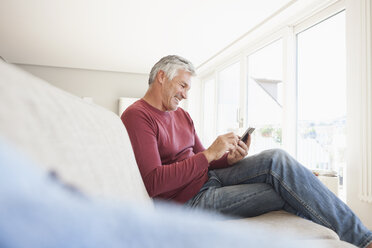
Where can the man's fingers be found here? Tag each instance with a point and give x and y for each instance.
(243, 145)
(242, 148)
(242, 151)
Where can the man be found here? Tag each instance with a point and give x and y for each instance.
(175, 166)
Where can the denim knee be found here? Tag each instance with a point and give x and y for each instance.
(276, 154)
(280, 158)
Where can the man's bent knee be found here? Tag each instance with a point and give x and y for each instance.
(275, 153)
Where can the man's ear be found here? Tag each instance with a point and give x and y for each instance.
(161, 76)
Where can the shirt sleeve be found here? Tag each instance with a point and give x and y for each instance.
(159, 178)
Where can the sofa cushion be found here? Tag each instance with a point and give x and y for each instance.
(86, 145)
(289, 225)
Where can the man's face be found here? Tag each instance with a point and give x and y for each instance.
(175, 90)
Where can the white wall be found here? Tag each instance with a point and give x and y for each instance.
(104, 87)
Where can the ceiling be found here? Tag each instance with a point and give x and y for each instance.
(123, 35)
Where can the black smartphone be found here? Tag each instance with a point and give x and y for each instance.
(246, 133)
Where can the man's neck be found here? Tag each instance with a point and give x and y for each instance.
(153, 99)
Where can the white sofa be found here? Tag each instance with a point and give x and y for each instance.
(89, 148)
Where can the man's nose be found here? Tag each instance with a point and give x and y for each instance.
(184, 94)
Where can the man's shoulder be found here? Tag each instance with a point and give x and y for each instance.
(135, 110)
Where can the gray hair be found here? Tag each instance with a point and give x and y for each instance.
(170, 65)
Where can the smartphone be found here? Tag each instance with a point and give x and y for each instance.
(246, 133)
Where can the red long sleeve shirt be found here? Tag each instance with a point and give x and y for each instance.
(168, 151)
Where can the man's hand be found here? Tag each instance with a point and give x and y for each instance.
(239, 152)
(223, 143)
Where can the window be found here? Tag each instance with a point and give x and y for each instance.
(292, 90)
(228, 99)
(209, 134)
(264, 110)
(321, 95)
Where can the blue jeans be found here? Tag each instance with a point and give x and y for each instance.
(273, 180)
